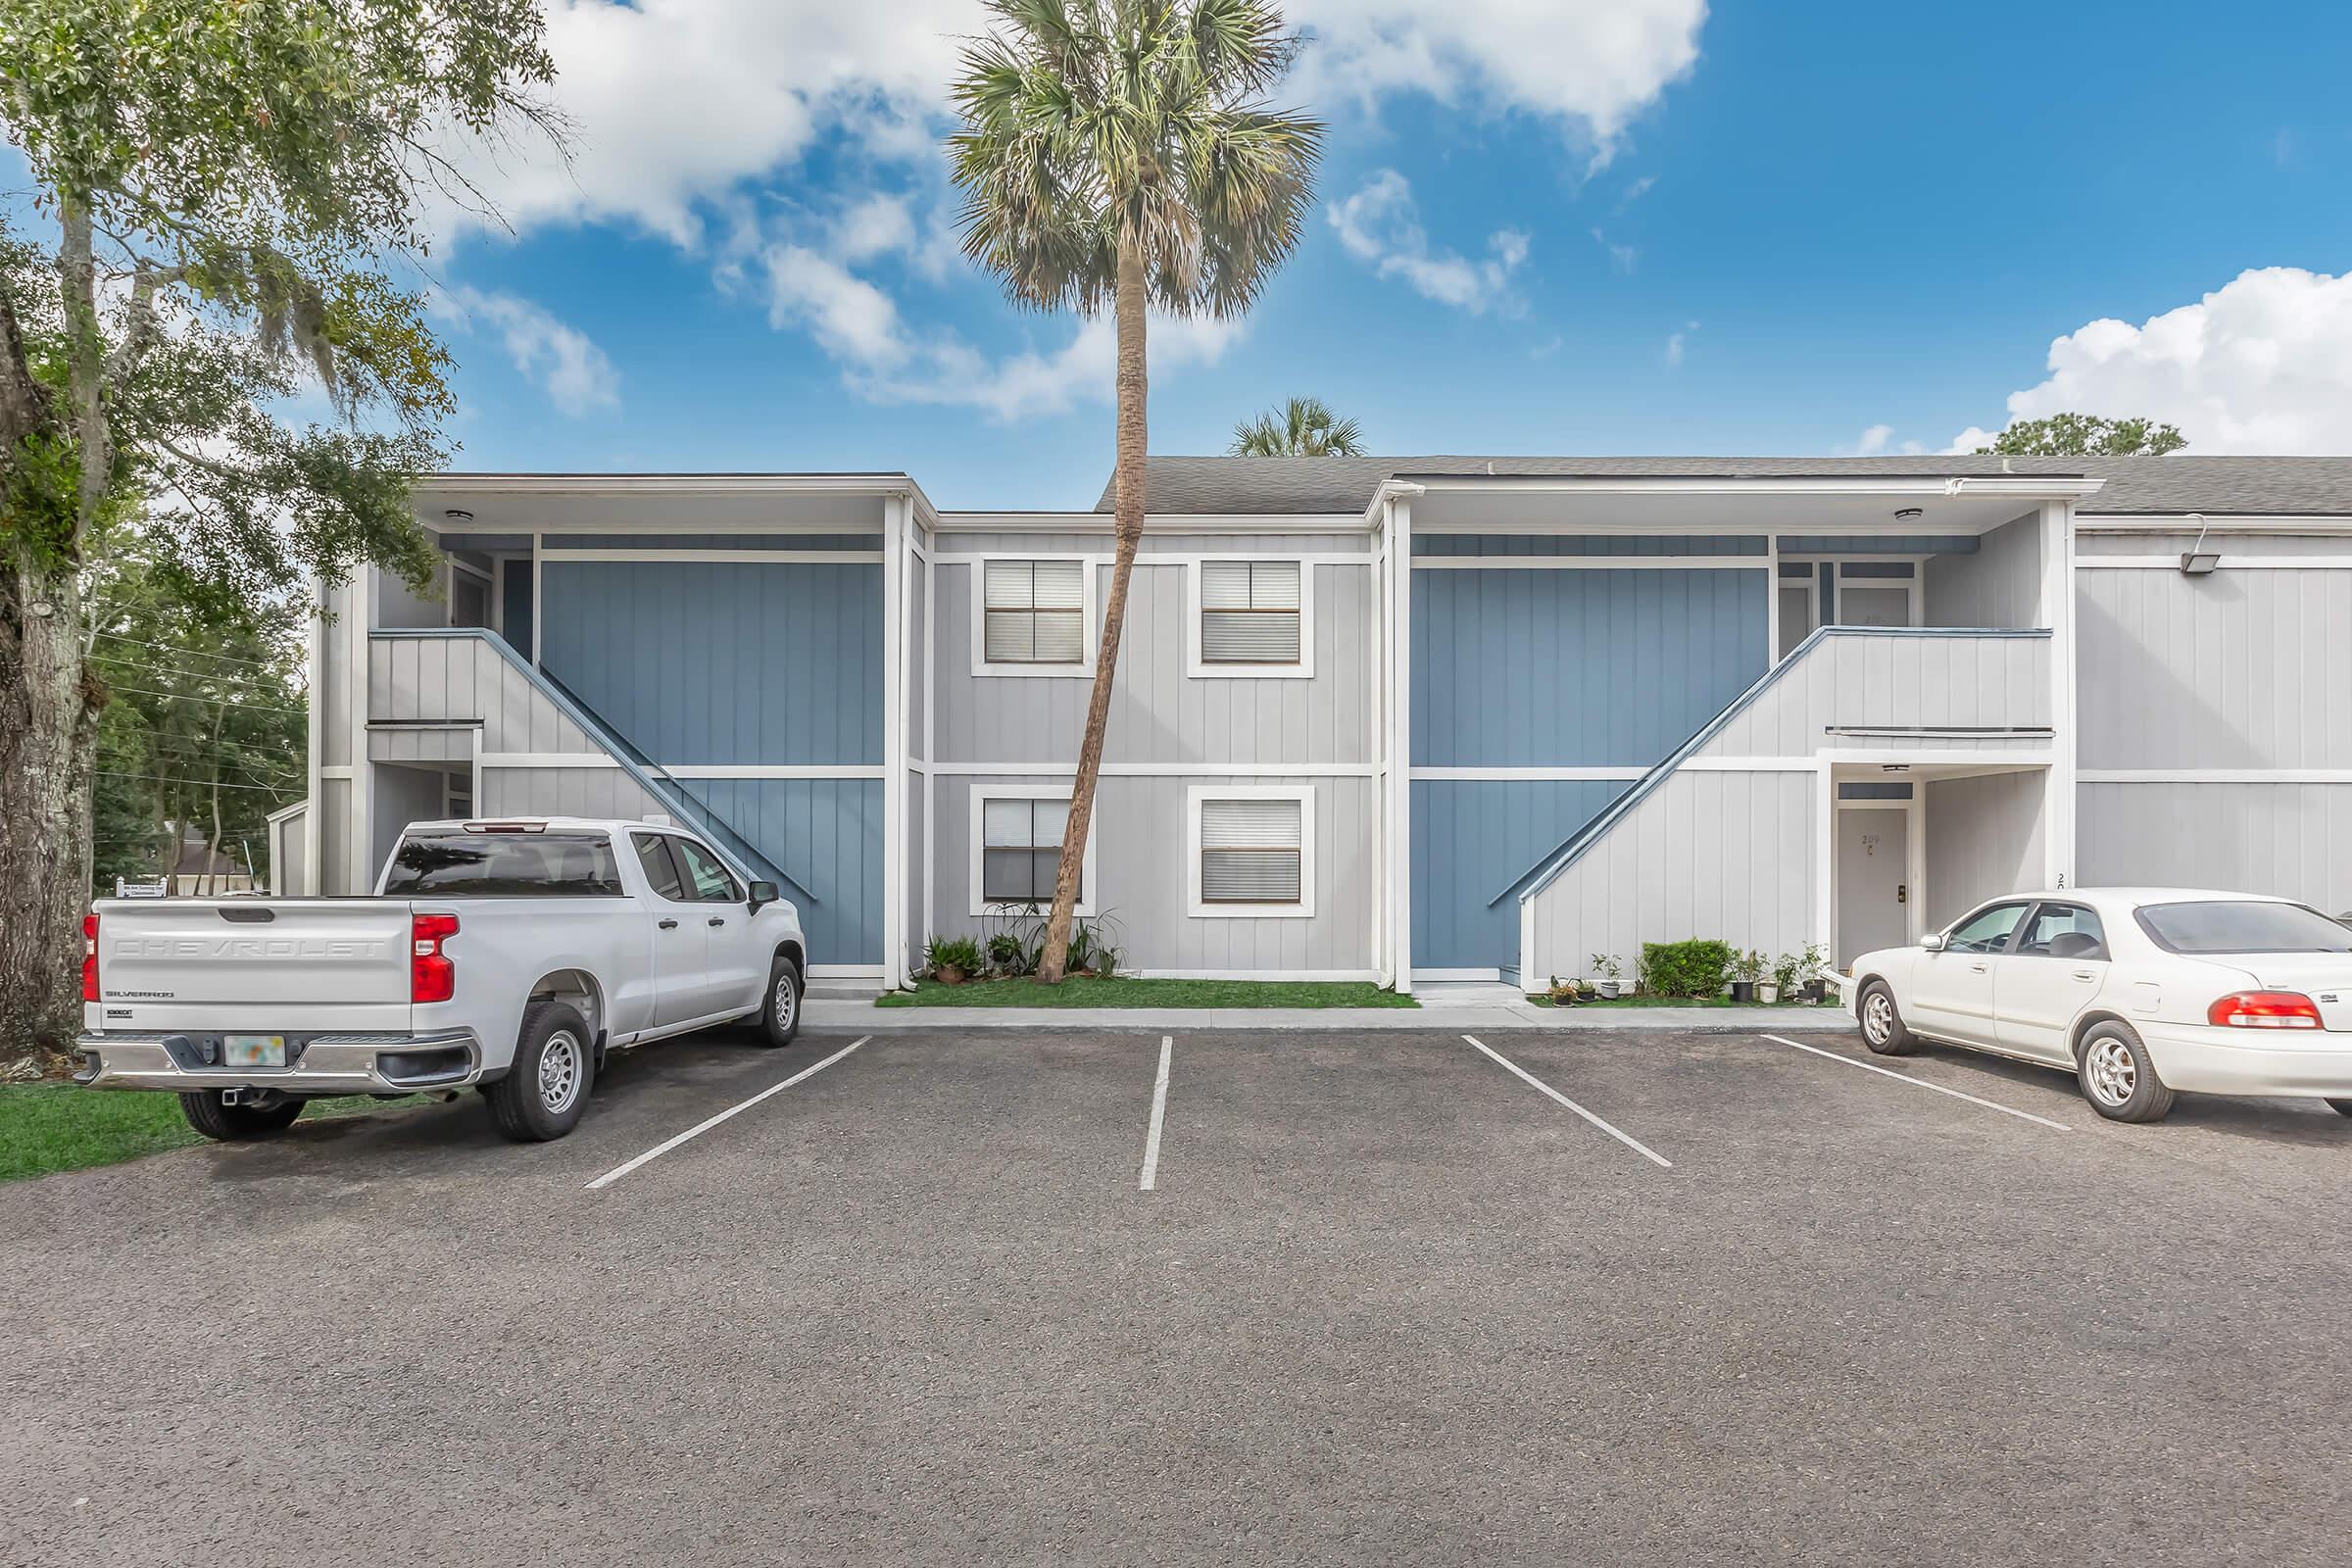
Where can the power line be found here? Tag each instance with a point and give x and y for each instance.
(169, 648)
(225, 702)
(198, 783)
(125, 662)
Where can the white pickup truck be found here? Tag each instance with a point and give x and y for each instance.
(507, 955)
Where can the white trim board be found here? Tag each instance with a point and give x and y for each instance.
(758, 771)
(868, 558)
(2214, 775)
(1235, 770)
(1311, 975)
(2229, 562)
(1593, 563)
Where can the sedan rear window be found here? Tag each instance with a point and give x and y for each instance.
(2217, 925)
(504, 866)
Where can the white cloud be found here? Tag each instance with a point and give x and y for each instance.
(1380, 224)
(886, 360)
(564, 360)
(1677, 343)
(1587, 66)
(1622, 258)
(2261, 365)
(1878, 441)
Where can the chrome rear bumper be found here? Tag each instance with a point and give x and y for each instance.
(326, 1065)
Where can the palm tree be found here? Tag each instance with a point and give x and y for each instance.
(1303, 427)
(1123, 152)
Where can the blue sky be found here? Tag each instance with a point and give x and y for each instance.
(1644, 226)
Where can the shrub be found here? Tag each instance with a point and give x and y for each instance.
(1692, 968)
(952, 953)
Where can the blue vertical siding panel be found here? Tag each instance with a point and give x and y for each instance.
(713, 663)
(826, 835)
(1470, 838)
(516, 610)
(1551, 669)
(1555, 668)
(1481, 544)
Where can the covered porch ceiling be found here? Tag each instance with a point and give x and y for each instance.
(1945, 505)
(523, 504)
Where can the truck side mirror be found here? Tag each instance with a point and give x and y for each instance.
(764, 893)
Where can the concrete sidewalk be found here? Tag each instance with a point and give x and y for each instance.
(1445, 1016)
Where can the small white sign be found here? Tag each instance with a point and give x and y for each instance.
(140, 890)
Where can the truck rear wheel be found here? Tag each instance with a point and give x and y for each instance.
(225, 1123)
(545, 1091)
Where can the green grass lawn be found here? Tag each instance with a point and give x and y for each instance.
(1681, 1001)
(54, 1127)
(1123, 991)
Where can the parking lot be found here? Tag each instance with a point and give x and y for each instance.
(1397, 1298)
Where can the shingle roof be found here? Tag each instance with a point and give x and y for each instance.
(2220, 486)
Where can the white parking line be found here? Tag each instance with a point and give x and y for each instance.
(1906, 1078)
(702, 1127)
(1634, 1144)
(1159, 1113)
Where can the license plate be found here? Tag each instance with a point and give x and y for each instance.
(253, 1050)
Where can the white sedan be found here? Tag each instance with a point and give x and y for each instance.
(2139, 992)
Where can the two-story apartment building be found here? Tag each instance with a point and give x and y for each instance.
(1389, 717)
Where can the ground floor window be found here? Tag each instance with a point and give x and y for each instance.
(1251, 850)
(1017, 844)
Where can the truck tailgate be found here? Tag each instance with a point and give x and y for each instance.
(281, 964)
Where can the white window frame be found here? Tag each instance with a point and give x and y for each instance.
(1090, 636)
(1197, 668)
(1088, 887)
(1196, 797)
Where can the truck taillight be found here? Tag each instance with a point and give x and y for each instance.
(432, 977)
(2264, 1009)
(90, 958)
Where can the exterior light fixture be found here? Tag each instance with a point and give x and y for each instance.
(1910, 515)
(457, 515)
(2197, 560)
(1894, 768)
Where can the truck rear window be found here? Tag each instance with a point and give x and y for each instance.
(506, 866)
(2218, 926)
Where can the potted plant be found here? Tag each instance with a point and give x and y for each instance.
(953, 959)
(1783, 983)
(1746, 968)
(1611, 972)
(1810, 966)
(1564, 993)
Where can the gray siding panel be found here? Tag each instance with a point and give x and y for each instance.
(2292, 840)
(339, 856)
(1160, 714)
(1140, 848)
(566, 792)
(702, 663)
(2238, 668)
(1900, 679)
(1707, 854)
(1471, 837)
(1589, 544)
(1985, 839)
(1999, 585)
(1556, 668)
(402, 795)
(330, 704)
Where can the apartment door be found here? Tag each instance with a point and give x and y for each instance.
(1874, 856)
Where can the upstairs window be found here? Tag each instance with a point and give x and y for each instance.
(1033, 613)
(1253, 852)
(1253, 613)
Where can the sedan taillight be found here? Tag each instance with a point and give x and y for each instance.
(432, 977)
(2264, 1009)
(90, 958)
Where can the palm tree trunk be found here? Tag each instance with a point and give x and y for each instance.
(1127, 511)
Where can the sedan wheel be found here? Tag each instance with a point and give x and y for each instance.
(2119, 1077)
(1883, 1028)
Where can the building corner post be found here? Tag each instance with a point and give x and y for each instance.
(2058, 611)
(895, 508)
(1399, 758)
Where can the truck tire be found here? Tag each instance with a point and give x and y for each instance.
(233, 1124)
(780, 1013)
(545, 1091)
